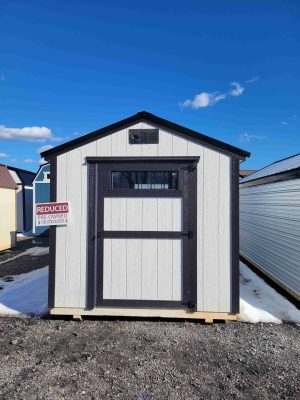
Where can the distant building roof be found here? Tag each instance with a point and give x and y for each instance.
(286, 164)
(246, 172)
(6, 180)
(25, 176)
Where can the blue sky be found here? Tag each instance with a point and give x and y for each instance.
(227, 69)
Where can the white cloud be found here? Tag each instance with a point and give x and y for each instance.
(76, 133)
(2, 77)
(254, 79)
(205, 99)
(29, 161)
(246, 137)
(13, 160)
(238, 89)
(42, 161)
(28, 134)
(44, 148)
(284, 123)
(3, 155)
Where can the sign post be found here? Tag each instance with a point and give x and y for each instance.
(52, 214)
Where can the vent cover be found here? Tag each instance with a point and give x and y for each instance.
(143, 136)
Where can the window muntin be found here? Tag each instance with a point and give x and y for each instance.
(145, 180)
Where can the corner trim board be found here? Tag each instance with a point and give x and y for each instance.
(235, 244)
(52, 235)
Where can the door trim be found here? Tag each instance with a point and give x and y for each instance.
(97, 167)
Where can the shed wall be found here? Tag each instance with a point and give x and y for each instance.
(213, 216)
(7, 218)
(270, 230)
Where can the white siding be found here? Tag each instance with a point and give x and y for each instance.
(270, 230)
(213, 255)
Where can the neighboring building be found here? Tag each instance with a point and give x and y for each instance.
(8, 209)
(270, 222)
(154, 223)
(41, 194)
(246, 172)
(24, 180)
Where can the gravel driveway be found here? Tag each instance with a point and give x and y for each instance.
(144, 360)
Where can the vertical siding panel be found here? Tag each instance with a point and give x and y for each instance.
(87, 150)
(149, 269)
(165, 269)
(118, 269)
(211, 231)
(165, 144)
(107, 268)
(149, 149)
(73, 238)
(134, 214)
(104, 146)
(180, 146)
(197, 150)
(177, 269)
(177, 215)
(224, 234)
(108, 212)
(134, 269)
(150, 214)
(60, 257)
(164, 214)
(118, 216)
(119, 143)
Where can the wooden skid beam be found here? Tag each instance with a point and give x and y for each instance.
(209, 317)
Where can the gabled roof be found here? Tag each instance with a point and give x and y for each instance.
(26, 177)
(281, 166)
(42, 166)
(153, 119)
(247, 172)
(6, 180)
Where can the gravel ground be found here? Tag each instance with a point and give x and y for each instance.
(25, 263)
(145, 360)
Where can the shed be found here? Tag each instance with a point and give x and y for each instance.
(41, 194)
(154, 228)
(270, 222)
(8, 209)
(23, 179)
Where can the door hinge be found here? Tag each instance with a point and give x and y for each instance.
(98, 235)
(188, 234)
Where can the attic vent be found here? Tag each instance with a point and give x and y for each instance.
(143, 136)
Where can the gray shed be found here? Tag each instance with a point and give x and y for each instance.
(270, 222)
(154, 223)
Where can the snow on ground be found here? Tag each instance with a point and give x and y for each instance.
(25, 234)
(259, 302)
(33, 251)
(27, 294)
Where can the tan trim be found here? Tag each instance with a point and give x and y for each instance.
(287, 289)
(209, 317)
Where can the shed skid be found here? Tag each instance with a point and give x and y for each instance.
(209, 317)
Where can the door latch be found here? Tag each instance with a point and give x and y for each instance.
(187, 234)
(98, 235)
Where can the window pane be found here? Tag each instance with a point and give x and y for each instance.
(145, 180)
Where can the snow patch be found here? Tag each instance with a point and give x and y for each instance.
(26, 295)
(259, 302)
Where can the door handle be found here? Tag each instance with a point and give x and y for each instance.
(187, 234)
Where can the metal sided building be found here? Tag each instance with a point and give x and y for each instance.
(8, 209)
(270, 222)
(41, 194)
(23, 179)
(154, 226)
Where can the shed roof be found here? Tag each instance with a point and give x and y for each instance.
(246, 172)
(6, 180)
(284, 165)
(155, 120)
(25, 176)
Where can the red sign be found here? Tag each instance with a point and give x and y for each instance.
(51, 213)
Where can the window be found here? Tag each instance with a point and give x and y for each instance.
(156, 180)
(46, 177)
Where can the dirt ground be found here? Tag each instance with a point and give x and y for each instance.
(144, 360)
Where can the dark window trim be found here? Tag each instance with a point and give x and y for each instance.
(235, 239)
(140, 235)
(158, 122)
(127, 161)
(281, 176)
(52, 236)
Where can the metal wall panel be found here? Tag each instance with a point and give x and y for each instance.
(270, 230)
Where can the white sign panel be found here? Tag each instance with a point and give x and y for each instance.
(47, 214)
